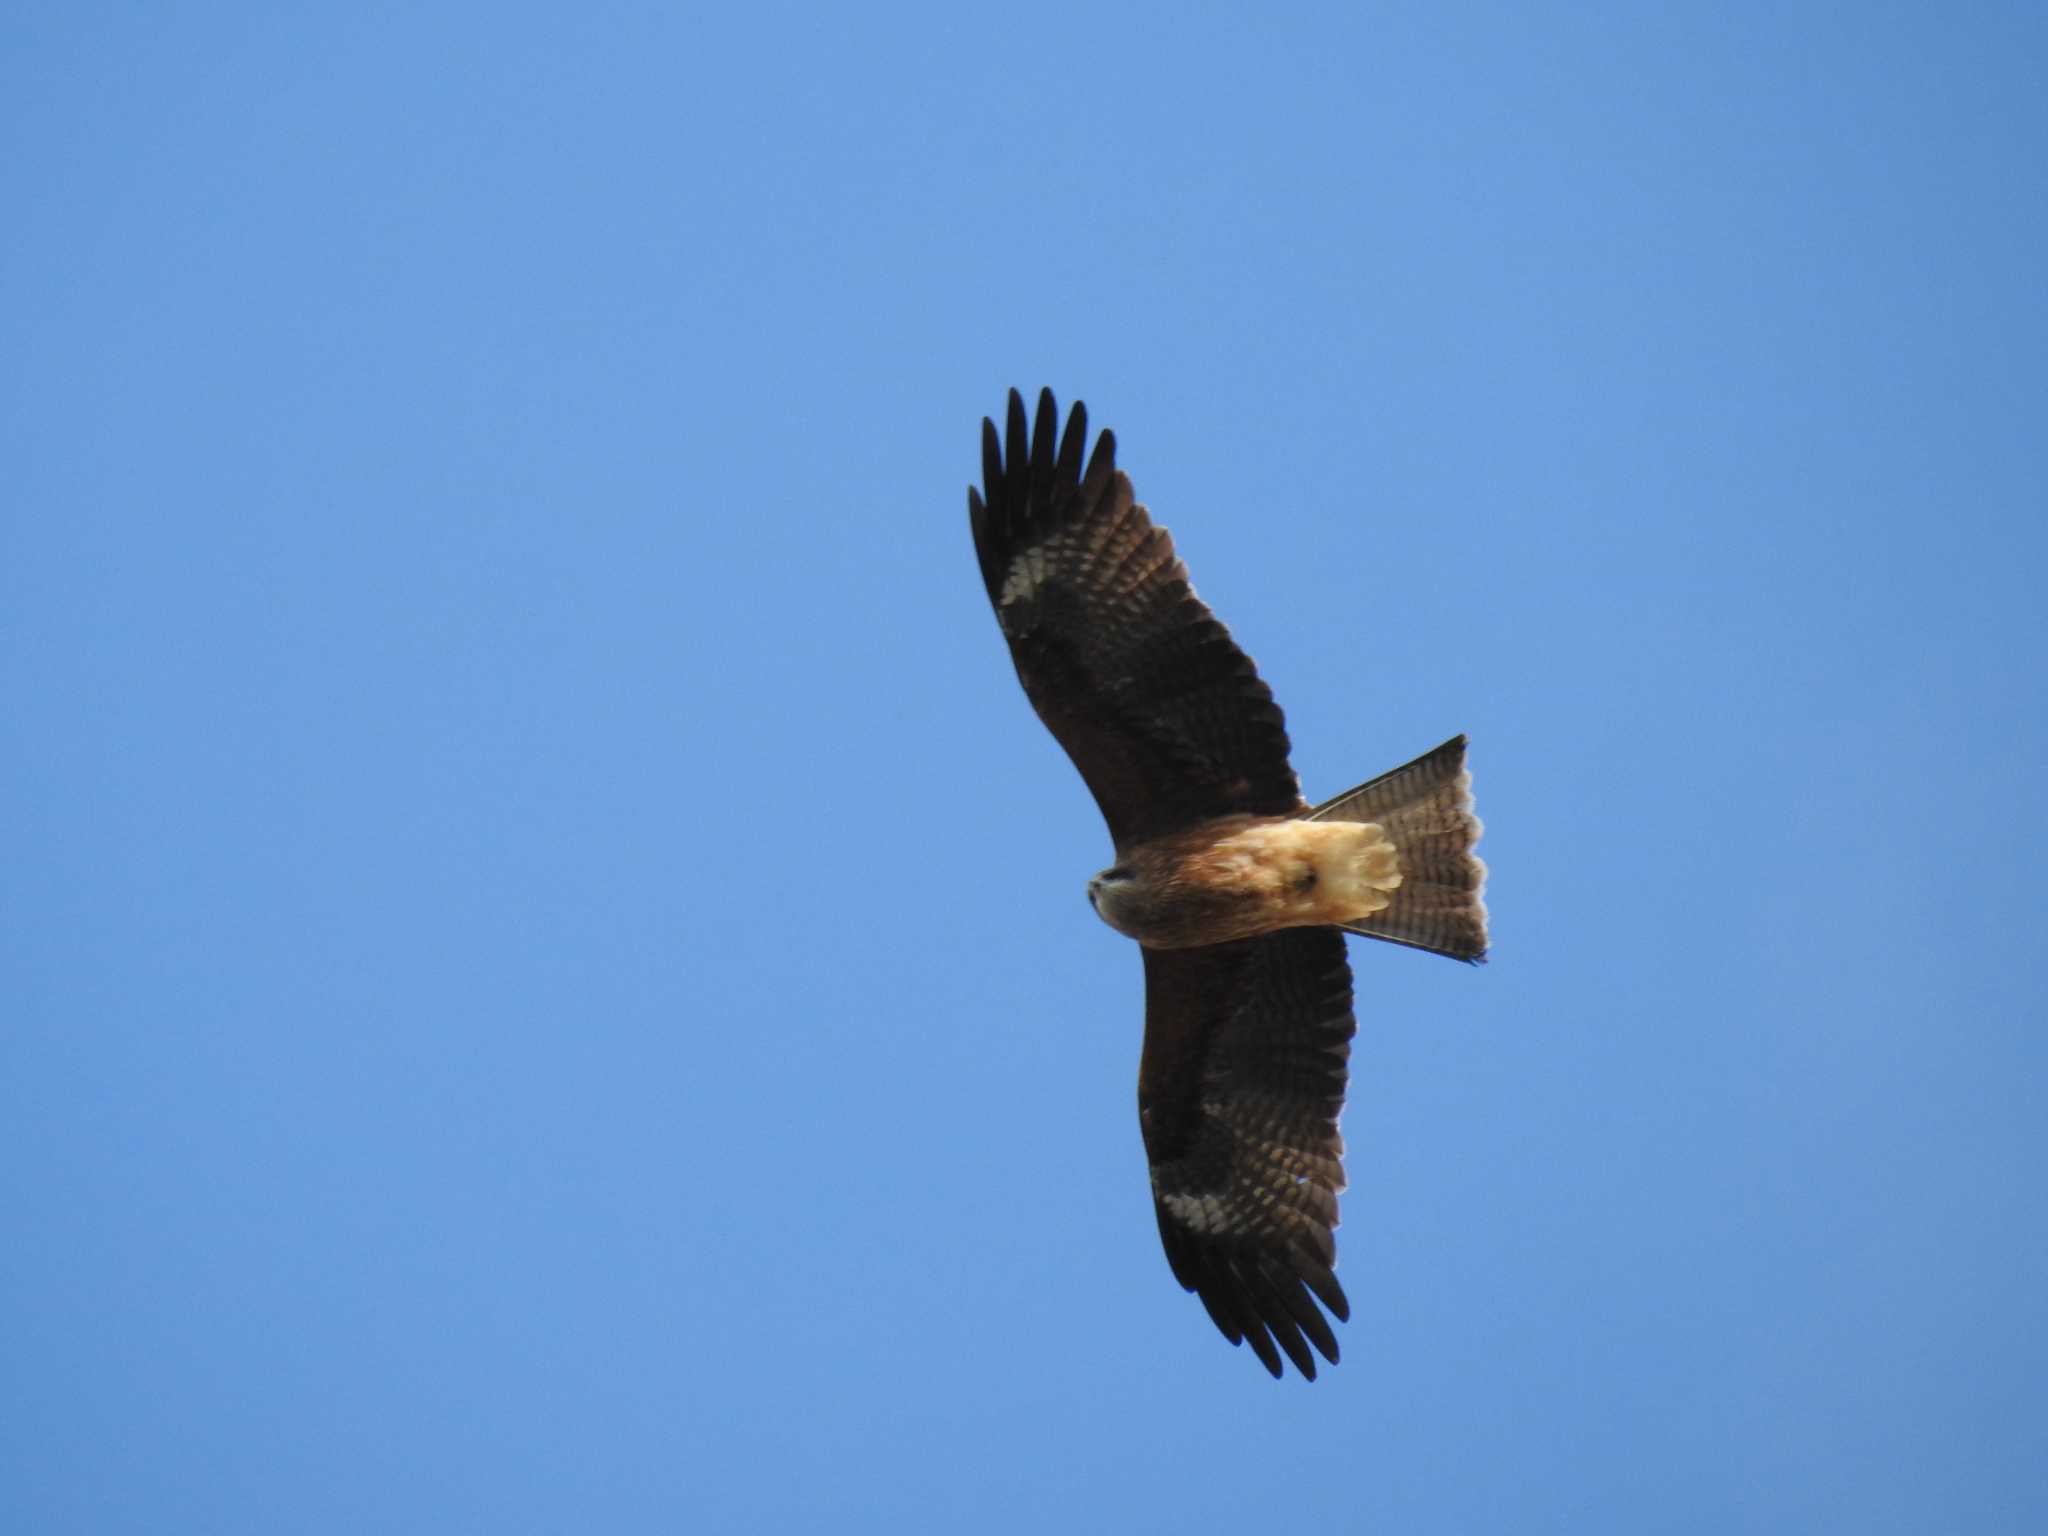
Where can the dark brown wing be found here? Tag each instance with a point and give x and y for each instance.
(1246, 1046)
(1164, 716)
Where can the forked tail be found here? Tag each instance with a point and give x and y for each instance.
(1425, 809)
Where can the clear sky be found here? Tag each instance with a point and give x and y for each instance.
(545, 972)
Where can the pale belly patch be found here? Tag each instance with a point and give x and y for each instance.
(1314, 871)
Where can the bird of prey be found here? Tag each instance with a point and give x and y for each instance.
(1237, 890)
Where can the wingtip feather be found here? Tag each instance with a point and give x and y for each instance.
(1101, 463)
(1072, 444)
(1016, 448)
(991, 456)
(1044, 439)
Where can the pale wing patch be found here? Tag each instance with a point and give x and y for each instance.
(1021, 582)
(1206, 1214)
(1272, 1183)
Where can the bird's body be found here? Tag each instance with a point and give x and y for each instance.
(1237, 891)
(1240, 876)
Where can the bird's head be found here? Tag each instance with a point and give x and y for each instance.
(1109, 893)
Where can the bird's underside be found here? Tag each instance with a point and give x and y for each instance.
(1238, 892)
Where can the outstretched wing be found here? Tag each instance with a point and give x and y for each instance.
(1242, 1081)
(1162, 713)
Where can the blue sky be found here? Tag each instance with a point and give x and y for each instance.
(546, 973)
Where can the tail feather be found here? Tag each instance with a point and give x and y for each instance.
(1425, 809)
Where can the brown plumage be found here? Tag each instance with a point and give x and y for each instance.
(1237, 890)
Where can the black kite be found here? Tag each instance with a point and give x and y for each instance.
(1238, 891)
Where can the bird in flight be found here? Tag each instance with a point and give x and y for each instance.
(1238, 892)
